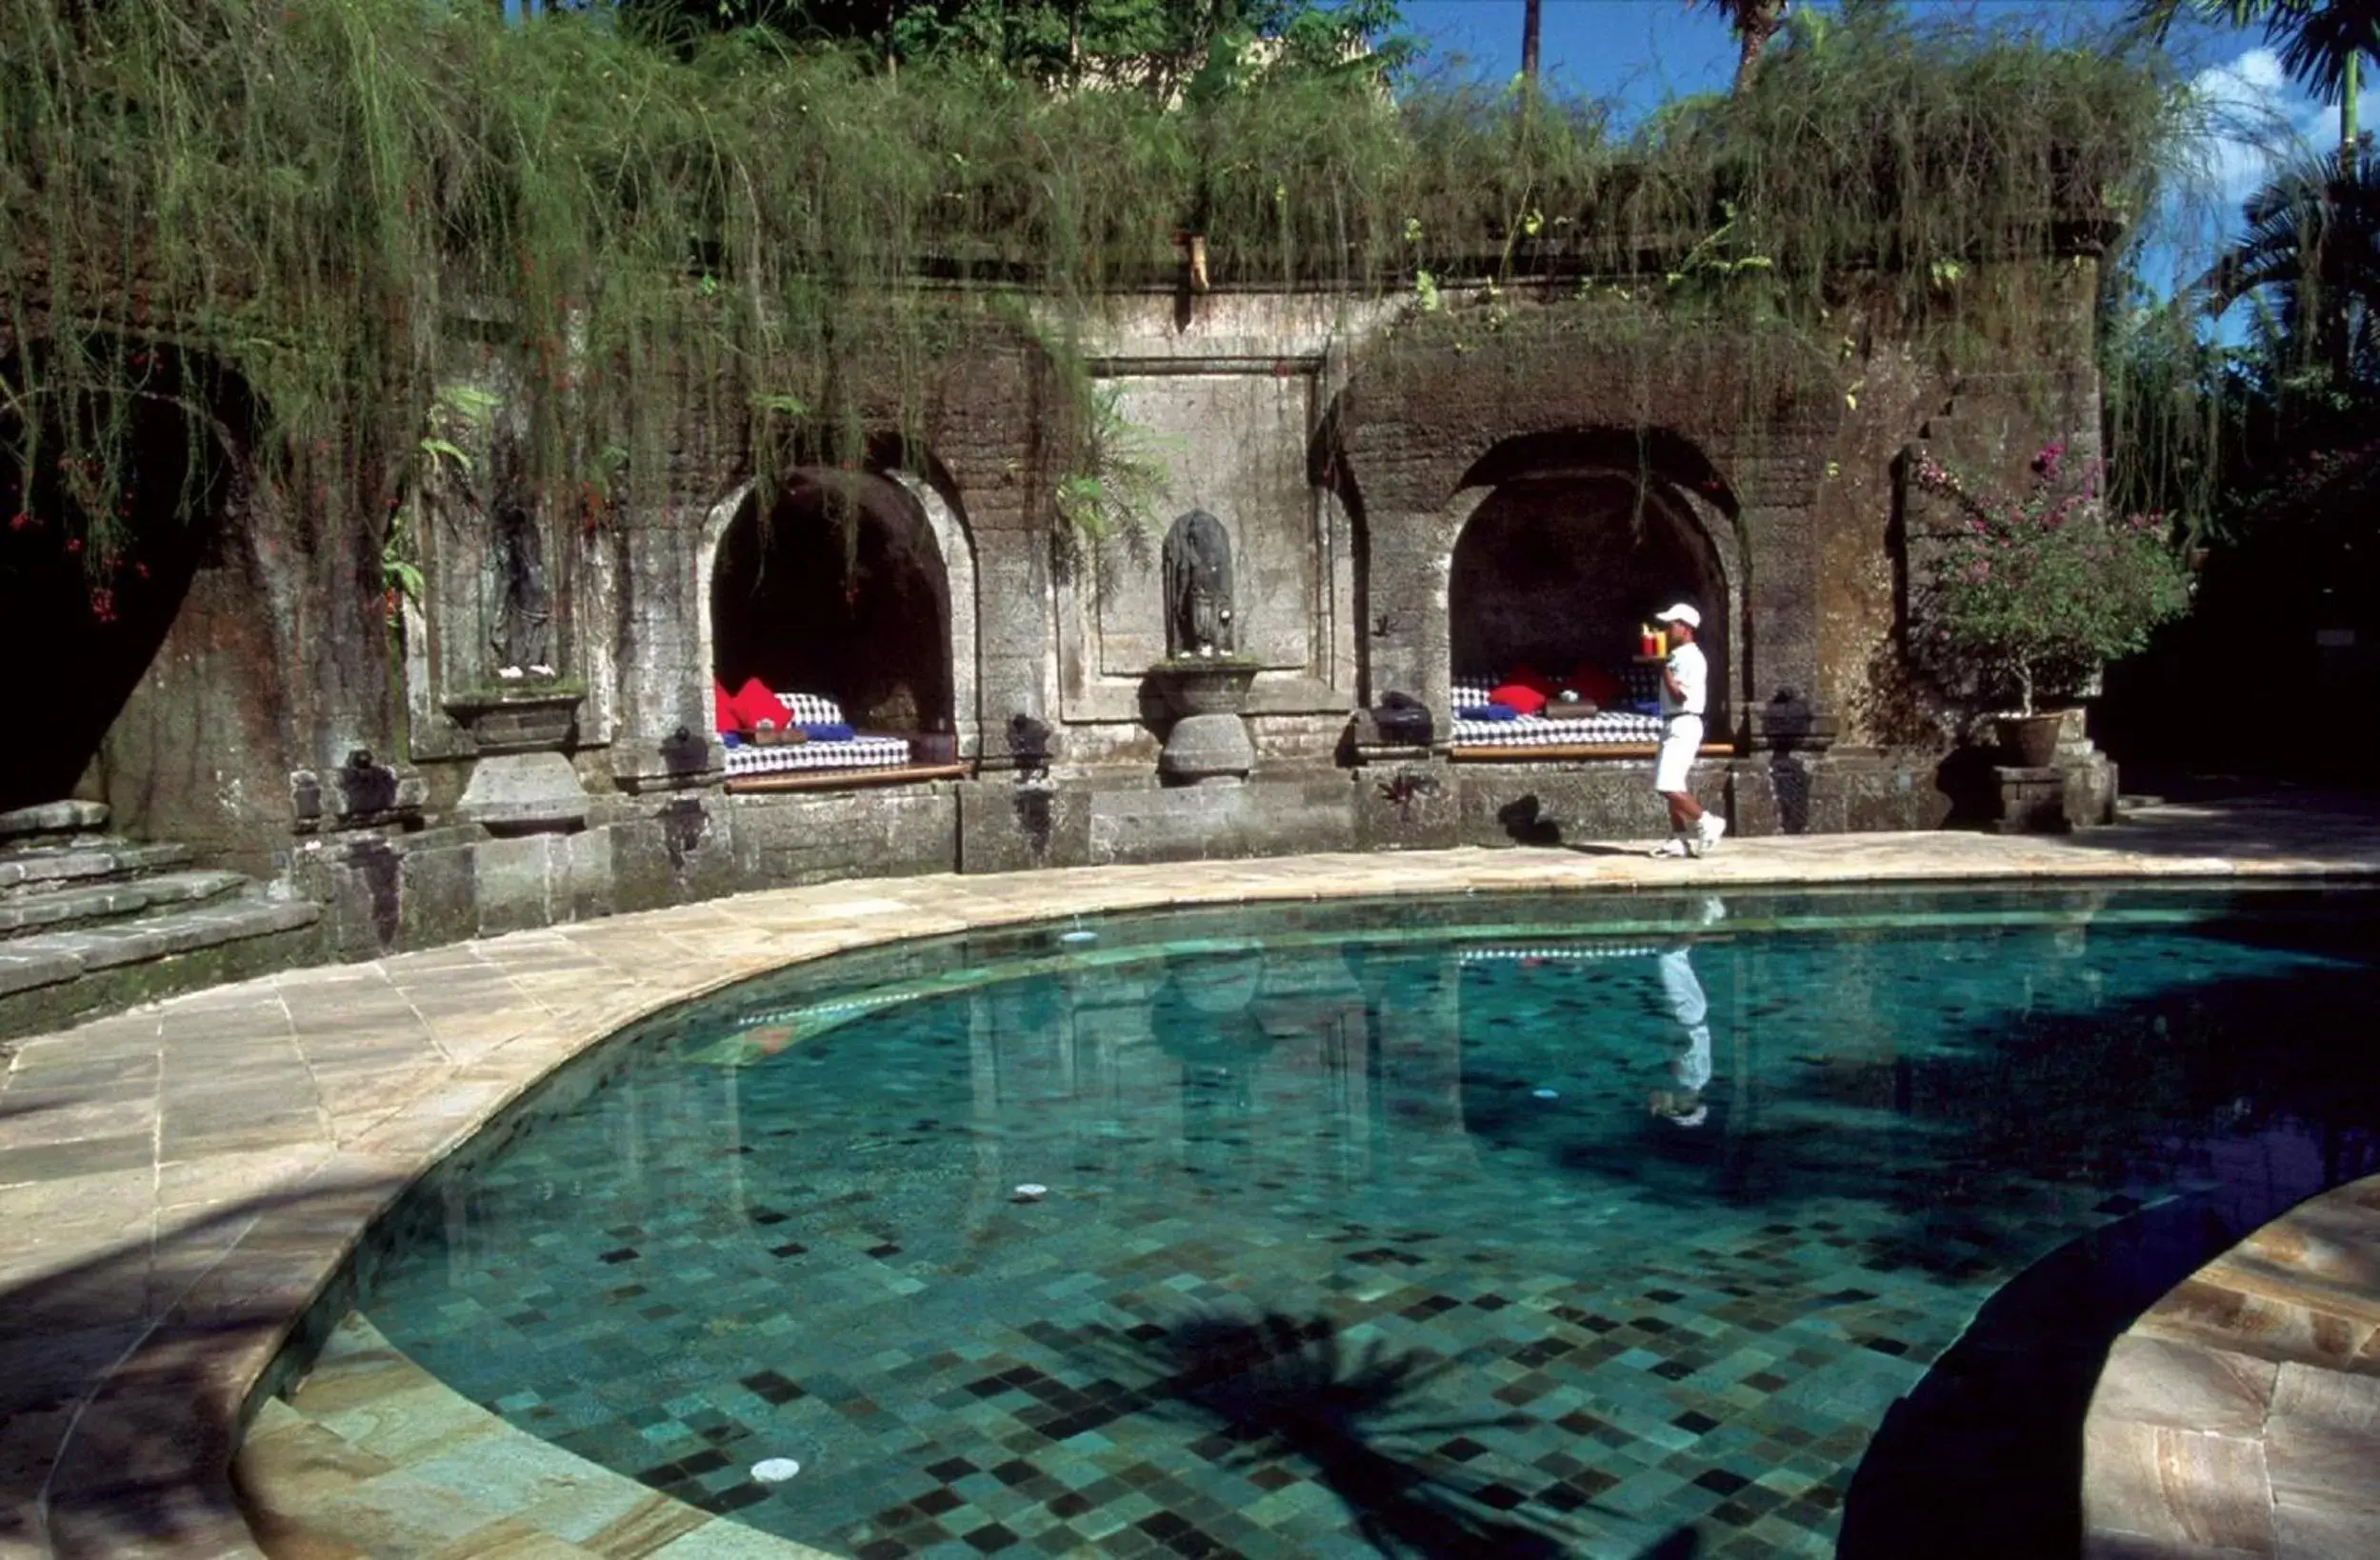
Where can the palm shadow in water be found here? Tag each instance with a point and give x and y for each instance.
(1282, 1386)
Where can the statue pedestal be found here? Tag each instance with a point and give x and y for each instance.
(1208, 743)
(523, 783)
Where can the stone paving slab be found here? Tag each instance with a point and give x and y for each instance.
(155, 1248)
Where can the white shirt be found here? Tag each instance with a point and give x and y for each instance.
(1693, 679)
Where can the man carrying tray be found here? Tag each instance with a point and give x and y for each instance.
(1685, 695)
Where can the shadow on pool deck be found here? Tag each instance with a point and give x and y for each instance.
(2248, 823)
(121, 1380)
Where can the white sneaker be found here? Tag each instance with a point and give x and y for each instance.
(1673, 847)
(1709, 829)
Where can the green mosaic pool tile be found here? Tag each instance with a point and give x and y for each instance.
(1754, 1338)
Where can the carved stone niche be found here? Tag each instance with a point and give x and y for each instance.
(508, 581)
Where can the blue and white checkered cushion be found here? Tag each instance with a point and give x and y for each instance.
(1606, 727)
(811, 709)
(867, 752)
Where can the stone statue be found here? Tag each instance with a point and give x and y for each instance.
(1198, 586)
(521, 635)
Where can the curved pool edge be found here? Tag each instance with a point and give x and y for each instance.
(137, 1398)
(2233, 1415)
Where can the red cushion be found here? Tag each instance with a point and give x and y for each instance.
(723, 716)
(1528, 676)
(754, 703)
(1594, 683)
(1520, 696)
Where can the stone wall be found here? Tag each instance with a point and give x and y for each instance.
(1346, 448)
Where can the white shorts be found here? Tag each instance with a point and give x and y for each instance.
(1681, 739)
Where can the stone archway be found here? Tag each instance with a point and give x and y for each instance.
(1573, 539)
(855, 585)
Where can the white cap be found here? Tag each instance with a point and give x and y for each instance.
(1680, 614)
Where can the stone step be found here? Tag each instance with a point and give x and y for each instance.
(27, 868)
(28, 823)
(56, 977)
(35, 910)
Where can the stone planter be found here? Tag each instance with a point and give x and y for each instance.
(1208, 742)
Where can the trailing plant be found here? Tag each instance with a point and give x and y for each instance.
(2042, 589)
(1112, 490)
(311, 196)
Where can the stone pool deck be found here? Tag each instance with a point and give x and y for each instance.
(177, 1183)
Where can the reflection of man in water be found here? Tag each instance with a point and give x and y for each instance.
(1689, 1056)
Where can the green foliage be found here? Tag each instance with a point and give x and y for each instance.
(316, 194)
(2312, 249)
(2044, 589)
(1112, 490)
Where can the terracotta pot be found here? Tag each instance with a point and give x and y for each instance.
(2031, 741)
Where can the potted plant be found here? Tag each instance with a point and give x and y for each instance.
(2037, 592)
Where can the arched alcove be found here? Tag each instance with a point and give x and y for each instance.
(835, 582)
(1580, 538)
(84, 608)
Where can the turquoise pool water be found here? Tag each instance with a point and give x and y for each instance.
(1601, 1225)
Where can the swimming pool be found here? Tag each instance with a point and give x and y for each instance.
(1493, 1225)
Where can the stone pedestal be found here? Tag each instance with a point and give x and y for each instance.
(1209, 742)
(522, 783)
(2075, 789)
(1208, 751)
(523, 794)
(2031, 800)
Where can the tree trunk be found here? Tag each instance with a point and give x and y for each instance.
(2351, 79)
(1533, 21)
(1756, 22)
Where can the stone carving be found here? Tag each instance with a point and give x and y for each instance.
(1198, 616)
(522, 633)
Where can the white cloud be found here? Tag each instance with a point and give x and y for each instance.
(2255, 117)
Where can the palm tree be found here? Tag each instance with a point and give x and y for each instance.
(1533, 22)
(2312, 246)
(1754, 23)
(2322, 44)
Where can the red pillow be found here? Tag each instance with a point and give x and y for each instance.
(723, 716)
(1594, 684)
(1528, 676)
(754, 704)
(1520, 696)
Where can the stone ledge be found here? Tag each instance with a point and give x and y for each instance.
(28, 866)
(53, 818)
(2240, 1415)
